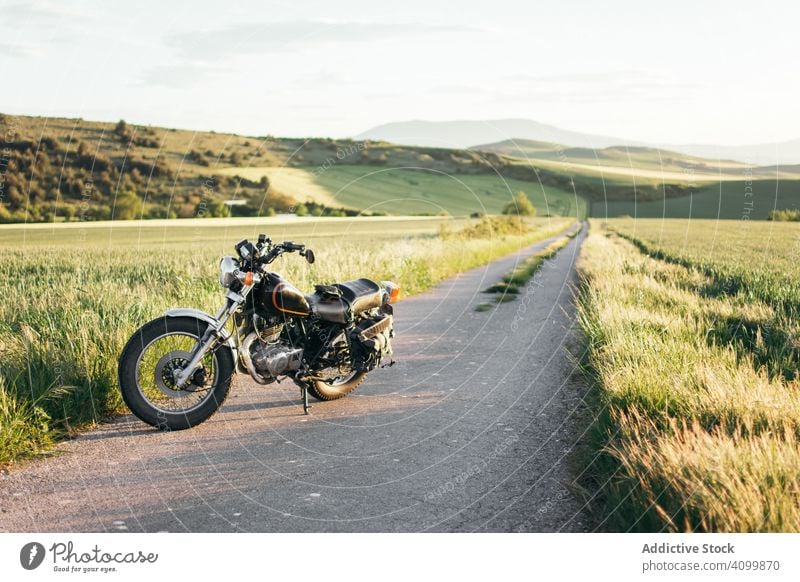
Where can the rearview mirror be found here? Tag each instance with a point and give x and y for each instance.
(310, 256)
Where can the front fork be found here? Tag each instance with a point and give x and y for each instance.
(211, 336)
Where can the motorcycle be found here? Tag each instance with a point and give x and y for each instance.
(176, 370)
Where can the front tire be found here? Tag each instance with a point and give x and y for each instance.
(144, 374)
(322, 390)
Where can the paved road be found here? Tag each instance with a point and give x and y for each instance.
(470, 431)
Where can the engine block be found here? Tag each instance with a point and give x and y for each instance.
(275, 359)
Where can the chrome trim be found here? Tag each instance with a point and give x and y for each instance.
(227, 271)
(220, 332)
(248, 361)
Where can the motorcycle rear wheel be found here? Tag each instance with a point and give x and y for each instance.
(145, 374)
(333, 390)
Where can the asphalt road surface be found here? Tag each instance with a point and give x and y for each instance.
(471, 430)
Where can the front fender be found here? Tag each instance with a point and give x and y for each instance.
(203, 316)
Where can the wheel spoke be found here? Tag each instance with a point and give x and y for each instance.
(158, 365)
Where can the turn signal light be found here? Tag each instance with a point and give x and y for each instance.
(394, 293)
(248, 278)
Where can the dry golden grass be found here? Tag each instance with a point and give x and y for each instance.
(298, 182)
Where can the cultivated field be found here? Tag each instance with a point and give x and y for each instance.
(692, 338)
(73, 294)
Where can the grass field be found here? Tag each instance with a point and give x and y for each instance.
(692, 339)
(412, 190)
(74, 293)
(726, 200)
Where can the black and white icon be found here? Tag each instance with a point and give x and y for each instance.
(32, 555)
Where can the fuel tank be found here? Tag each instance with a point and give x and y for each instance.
(278, 295)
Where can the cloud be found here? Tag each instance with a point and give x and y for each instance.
(592, 87)
(17, 50)
(199, 54)
(177, 76)
(37, 12)
(274, 37)
(607, 81)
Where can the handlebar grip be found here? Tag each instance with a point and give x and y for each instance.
(290, 246)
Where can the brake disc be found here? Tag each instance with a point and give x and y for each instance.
(165, 374)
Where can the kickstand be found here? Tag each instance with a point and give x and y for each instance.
(304, 390)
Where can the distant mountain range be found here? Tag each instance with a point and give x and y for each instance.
(471, 133)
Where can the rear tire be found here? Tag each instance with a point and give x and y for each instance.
(130, 386)
(322, 390)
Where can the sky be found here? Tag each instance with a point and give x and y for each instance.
(677, 72)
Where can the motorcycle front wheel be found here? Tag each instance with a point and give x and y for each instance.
(146, 374)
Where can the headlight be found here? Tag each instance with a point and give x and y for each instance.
(227, 267)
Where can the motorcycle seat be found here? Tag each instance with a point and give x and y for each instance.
(335, 302)
(361, 294)
(328, 307)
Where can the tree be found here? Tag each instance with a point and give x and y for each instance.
(216, 208)
(301, 210)
(69, 212)
(520, 206)
(121, 128)
(127, 206)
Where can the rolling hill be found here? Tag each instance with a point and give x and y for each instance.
(621, 163)
(414, 190)
(731, 200)
(57, 170)
(75, 170)
(467, 134)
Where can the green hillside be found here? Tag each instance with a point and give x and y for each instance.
(415, 190)
(57, 170)
(619, 163)
(726, 200)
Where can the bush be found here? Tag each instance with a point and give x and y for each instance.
(785, 215)
(121, 128)
(127, 206)
(520, 206)
(489, 227)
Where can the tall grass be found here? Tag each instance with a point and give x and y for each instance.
(698, 432)
(67, 312)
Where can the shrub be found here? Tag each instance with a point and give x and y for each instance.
(520, 206)
(784, 215)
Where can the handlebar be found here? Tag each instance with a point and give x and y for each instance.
(290, 246)
(265, 252)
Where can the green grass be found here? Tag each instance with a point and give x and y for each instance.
(420, 190)
(511, 283)
(726, 200)
(692, 341)
(754, 260)
(73, 294)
